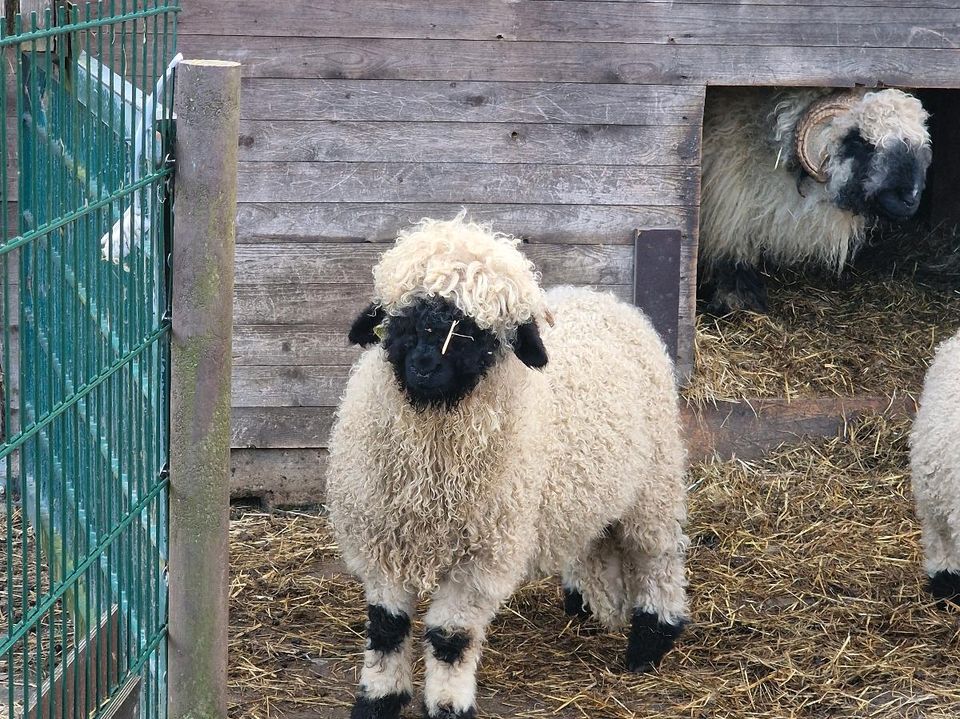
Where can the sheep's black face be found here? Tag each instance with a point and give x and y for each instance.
(430, 376)
(882, 182)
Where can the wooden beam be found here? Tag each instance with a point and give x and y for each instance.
(207, 104)
(336, 222)
(749, 429)
(557, 62)
(294, 474)
(95, 660)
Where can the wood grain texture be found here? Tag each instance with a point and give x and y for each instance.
(288, 386)
(468, 101)
(327, 263)
(455, 142)
(281, 427)
(292, 345)
(332, 307)
(466, 182)
(275, 222)
(458, 60)
(279, 478)
(596, 22)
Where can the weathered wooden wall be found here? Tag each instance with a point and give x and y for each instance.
(568, 122)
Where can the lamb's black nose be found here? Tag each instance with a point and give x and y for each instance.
(899, 203)
(424, 361)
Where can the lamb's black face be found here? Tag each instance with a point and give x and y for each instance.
(427, 374)
(883, 182)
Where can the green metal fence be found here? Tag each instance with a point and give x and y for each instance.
(84, 244)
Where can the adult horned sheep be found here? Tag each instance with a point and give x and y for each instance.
(935, 470)
(798, 176)
(462, 461)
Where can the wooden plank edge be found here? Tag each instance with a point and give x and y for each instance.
(746, 429)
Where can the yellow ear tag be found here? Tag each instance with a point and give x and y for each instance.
(380, 330)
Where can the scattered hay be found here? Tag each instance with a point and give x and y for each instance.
(873, 332)
(806, 592)
(33, 583)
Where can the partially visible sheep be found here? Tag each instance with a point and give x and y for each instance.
(459, 470)
(935, 470)
(798, 176)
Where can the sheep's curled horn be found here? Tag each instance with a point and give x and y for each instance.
(813, 132)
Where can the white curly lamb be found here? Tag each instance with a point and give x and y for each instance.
(459, 470)
(795, 176)
(935, 470)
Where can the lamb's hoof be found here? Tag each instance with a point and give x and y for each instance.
(735, 288)
(573, 604)
(726, 301)
(385, 707)
(945, 587)
(649, 640)
(448, 712)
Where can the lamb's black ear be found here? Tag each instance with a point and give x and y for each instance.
(528, 347)
(361, 331)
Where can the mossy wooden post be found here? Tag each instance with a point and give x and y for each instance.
(207, 104)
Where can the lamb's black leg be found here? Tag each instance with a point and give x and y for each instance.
(649, 640)
(733, 286)
(385, 680)
(573, 604)
(945, 587)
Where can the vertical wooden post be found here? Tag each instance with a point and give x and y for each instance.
(207, 104)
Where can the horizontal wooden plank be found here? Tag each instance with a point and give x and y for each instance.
(466, 182)
(326, 141)
(288, 386)
(281, 427)
(748, 429)
(471, 101)
(595, 22)
(330, 306)
(279, 478)
(291, 345)
(372, 222)
(328, 263)
(456, 60)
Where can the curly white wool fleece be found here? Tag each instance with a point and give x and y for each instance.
(478, 270)
(935, 460)
(751, 206)
(526, 474)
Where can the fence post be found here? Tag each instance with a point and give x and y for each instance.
(207, 104)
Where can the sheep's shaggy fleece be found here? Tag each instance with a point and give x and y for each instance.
(480, 271)
(753, 204)
(578, 468)
(935, 460)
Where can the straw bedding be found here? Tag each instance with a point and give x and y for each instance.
(806, 594)
(870, 332)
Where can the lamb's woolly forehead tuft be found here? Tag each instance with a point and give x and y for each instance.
(482, 272)
(887, 116)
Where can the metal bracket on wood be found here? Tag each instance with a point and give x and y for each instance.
(656, 281)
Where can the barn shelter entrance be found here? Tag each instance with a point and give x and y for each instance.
(834, 346)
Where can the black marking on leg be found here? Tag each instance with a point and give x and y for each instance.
(649, 640)
(385, 630)
(573, 604)
(733, 286)
(385, 707)
(447, 646)
(447, 712)
(945, 586)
